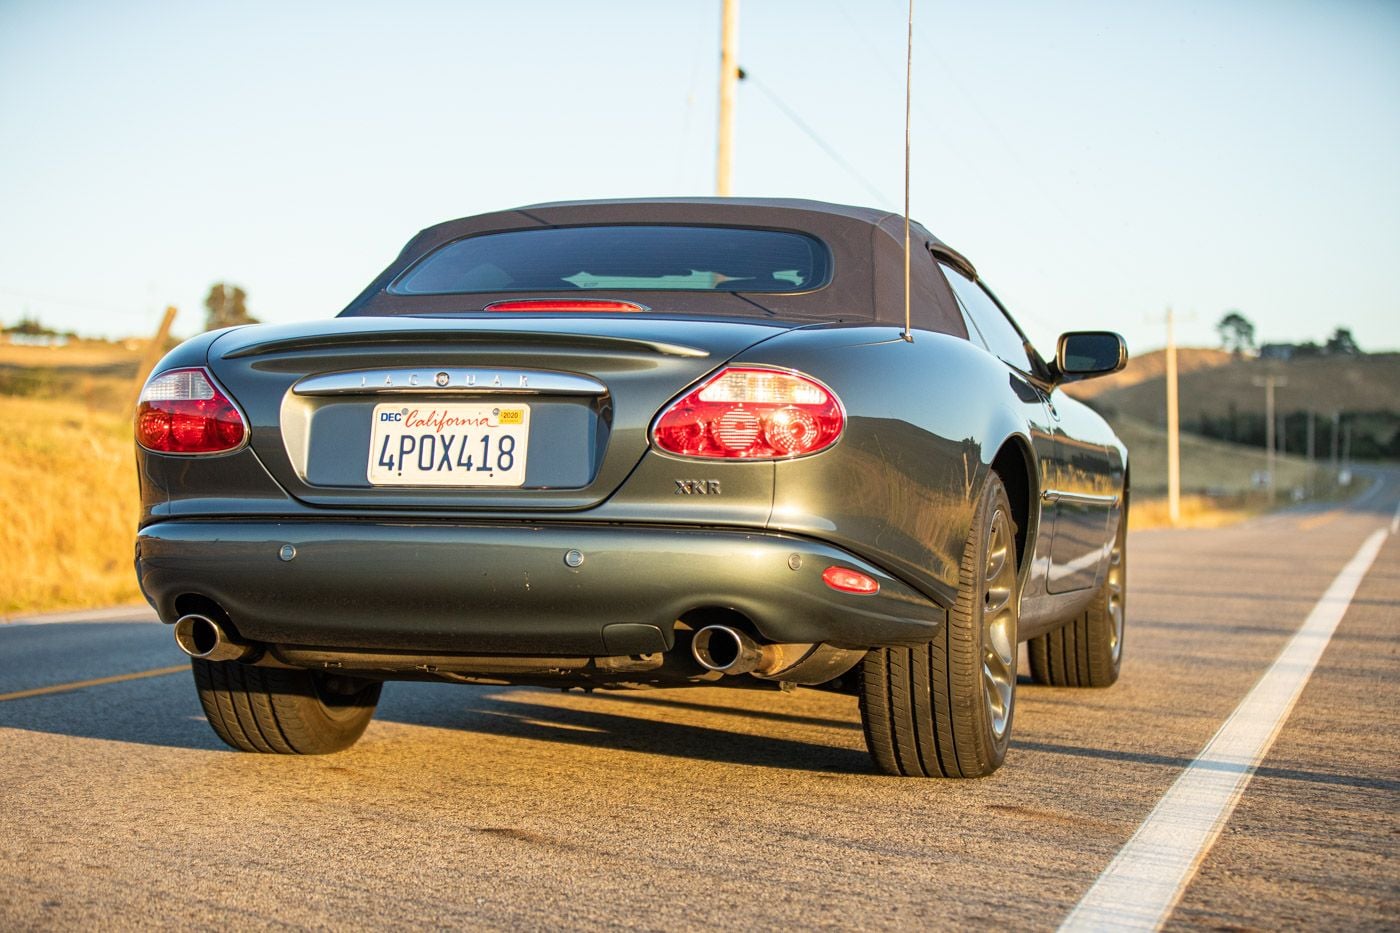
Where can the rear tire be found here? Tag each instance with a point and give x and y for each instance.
(944, 709)
(1087, 651)
(287, 712)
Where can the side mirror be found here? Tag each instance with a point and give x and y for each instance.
(1084, 354)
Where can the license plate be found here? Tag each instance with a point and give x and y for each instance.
(448, 444)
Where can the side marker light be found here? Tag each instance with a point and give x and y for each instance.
(846, 580)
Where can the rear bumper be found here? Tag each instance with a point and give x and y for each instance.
(508, 589)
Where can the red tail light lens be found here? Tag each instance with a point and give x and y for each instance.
(549, 305)
(850, 581)
(182, 411)
(752, 414)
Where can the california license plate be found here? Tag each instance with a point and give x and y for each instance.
(448, 444)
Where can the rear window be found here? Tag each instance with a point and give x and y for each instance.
(614, 258)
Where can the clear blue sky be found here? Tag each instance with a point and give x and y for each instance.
(1098, 161)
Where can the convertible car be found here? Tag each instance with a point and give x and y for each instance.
(641, 443)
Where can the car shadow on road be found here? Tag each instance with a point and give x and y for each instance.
(511, 713)
(163, 711)
(768, 715)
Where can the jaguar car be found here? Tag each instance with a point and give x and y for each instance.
(641, 444)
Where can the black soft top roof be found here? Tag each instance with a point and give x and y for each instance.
(867, 249)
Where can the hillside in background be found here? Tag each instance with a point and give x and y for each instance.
(1151, 367)
(1220, 398)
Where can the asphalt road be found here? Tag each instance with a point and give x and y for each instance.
(521, 808)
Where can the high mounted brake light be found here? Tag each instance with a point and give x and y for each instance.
(182, 411)
(751, 414)
(550, 305)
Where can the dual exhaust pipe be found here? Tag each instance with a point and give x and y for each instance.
(201, 637)
(715, 647)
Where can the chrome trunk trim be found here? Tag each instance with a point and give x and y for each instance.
(449, 381)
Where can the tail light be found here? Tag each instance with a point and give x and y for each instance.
(751, 414)
(182, 411)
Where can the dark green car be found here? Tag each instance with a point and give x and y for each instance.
(640, 444)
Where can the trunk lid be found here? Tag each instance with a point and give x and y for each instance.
(581, 391)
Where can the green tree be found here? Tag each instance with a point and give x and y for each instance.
(1236, 332)
(1342, 343)
(227, 307)
(30, 327)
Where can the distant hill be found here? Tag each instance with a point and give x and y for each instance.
(1214, 383)
(1151, 366)
(1219, 398)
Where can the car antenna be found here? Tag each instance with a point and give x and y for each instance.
(908, 92)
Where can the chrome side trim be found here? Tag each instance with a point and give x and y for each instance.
(1056, 495)
(456, 381)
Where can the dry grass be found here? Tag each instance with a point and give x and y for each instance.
(87, 354)
(1196, 512)
(70, 506)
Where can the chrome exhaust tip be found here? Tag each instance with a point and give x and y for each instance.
(201, 637)
(728, 650)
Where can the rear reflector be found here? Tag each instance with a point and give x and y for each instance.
(584, 305)
(751, 414)
(850, 581)
(182, 411)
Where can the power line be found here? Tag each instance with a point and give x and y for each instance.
(815, 137)
(73, 303)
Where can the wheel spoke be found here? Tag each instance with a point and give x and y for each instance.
(998, 687)
(996, 562)
(999, 626)
(997, 599)
(1115, 597)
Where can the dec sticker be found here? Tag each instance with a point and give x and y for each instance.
(512, 416)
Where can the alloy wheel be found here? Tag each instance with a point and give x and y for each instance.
(999, 612)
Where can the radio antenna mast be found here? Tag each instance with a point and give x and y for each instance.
(908, 94)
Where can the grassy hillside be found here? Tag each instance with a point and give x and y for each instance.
(1223, 397)
(94, 374)
(1213, 384)
(1150, 368)
(1207, 466)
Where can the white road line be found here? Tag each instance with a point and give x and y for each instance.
(1139, 889)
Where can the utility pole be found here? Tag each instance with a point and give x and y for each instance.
(1312, 447)
(154, 351)
(1346, 452)
(1336, 436)
(1173, 429)
(1269, 383)
(728, 88)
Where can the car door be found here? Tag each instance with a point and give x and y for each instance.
(1074, 509)
(990, 328)
(1081, 491)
